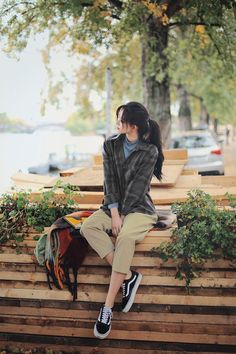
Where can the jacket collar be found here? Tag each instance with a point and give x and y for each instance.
(119, 138)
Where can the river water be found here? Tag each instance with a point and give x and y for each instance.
(18, 152)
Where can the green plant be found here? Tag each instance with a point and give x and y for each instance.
(204, 232)
(18, 212)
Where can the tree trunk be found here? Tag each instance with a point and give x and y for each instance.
(156, 91)
(204, 121)
(215, 123)
(185, 118)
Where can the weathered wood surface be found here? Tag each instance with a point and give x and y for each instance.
(169, 155)
(32, 178)
(160, 196)
(94, 177)
(164, 315)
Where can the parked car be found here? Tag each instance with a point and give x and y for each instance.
(204, 151)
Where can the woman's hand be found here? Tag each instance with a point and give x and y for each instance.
(116, 221)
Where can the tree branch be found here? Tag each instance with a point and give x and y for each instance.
(195, 24)
(116, 3)
(15, 5)
(174, 6)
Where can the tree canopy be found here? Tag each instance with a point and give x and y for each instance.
(178, 38)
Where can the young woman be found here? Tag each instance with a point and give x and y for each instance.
(130, 159)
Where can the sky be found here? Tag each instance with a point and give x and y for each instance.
(23, 84)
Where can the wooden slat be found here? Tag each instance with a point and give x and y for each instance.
(105, 279)
(71, 171)
(133, 316)
(184, 181)
(143, 327)
(226, 181)
(174, 162)
(189, 172)
(145, 245)
(85, 349)
(192, 300)
(94, 260)
(121, 334)
(90, 177)
(175, 154)
(159, 195)
(88, 349)
(169, 154)
(32, 178)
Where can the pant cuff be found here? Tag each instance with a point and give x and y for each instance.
(123, 270)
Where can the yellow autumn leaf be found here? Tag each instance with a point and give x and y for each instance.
(82, 48)
(165, 19)
(164, 7)
(58, 38)
(105, 13)
(155, 9)
(200, 29)
(98, 3)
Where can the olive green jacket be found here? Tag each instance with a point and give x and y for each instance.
(127, 181)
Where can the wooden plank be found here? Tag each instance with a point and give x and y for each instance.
(185, 181)
(152, 233)
(71, 171)
(121, 324)
(105, 279)
(100, 297)
(226, 181)
(169, 154)
(170, 176)
(159, 195)
(95, 260)
(32, 178)
(177, 318)
(121, 334)
(189, 172)
(175, 162)
(146, 243)
(175, 154)
(90, 177)
(89, 349)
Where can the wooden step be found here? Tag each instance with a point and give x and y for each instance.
(121, 334)
(96, 296)
(146, 261)
(105, 279)
(133, 316)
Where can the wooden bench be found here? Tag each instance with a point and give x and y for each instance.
(164, 317)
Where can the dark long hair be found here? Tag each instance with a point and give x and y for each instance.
(134, 113)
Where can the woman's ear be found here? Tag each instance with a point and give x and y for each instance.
(134, 127)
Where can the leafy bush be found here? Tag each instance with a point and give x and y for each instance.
(18, 212)
(204, 232)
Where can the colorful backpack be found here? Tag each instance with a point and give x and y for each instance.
(62, 249)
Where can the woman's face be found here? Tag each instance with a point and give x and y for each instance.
(122, 128)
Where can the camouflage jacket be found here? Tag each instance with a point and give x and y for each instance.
(127, 181)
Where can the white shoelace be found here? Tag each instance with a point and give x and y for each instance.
(106, 313)
(123, 289)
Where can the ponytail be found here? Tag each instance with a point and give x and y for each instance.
(135, 113)
(155, 139)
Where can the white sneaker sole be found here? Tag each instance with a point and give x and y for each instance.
(131, 300)
(99, 335)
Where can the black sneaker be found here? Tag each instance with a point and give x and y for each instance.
(129, 288)
(103, 325)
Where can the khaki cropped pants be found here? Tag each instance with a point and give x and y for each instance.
(134, 229)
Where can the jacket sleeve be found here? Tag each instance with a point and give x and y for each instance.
(111, 189)
(140, 184)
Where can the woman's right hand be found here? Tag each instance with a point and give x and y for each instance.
(116, 221)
